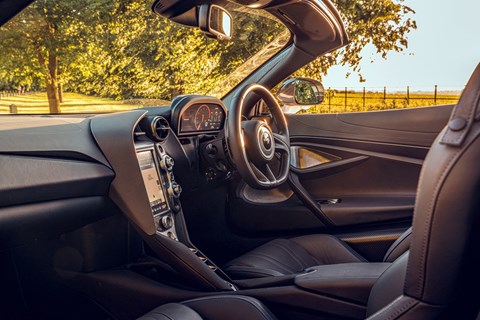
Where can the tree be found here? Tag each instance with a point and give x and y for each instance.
(382, 23)
(42, 39)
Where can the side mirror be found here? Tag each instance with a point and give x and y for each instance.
(215, 21)
(301, 91)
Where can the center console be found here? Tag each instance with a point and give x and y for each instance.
(162, 189)
(170, 241)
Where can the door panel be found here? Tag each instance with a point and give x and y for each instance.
(361, 192)
(411, 127)
(356, 177)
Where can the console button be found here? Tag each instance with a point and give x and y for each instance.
(176, 206)
(167, 222)
(211, 150)
(177, 189)
(210, 174)
(167, 163)
(174, 190)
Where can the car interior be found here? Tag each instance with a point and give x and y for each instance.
(232, 209)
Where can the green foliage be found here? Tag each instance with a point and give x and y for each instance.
(381, 23)
(305, 93)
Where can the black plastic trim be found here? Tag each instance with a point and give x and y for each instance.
(33, 179)
(114, 135)
(24, 223)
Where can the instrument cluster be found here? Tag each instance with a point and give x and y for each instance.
(195, 115)
(202, 117)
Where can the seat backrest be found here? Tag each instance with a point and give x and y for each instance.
(443, 262)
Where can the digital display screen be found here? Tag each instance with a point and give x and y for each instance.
(202, 117)
(153, 184)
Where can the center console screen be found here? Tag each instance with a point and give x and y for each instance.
(153, 183)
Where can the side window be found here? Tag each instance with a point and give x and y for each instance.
(363, 99)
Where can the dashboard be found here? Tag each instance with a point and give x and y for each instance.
(83, 158)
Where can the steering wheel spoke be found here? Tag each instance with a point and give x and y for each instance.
(264, 173)
(281, 143)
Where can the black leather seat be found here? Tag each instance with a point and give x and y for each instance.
(438, 277)
(290, 256)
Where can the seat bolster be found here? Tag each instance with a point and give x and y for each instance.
(230, 307)
(172, 311)
(399, 247)
(389, 286)
(328, 249)
(247, 272)
(290, 256)
(407, 308)
(275, 258)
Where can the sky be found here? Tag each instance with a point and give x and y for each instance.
(443, 50)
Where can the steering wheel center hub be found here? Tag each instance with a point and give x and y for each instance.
(265, 142)
(259, 143)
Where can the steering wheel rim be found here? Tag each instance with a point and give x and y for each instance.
(253, 145)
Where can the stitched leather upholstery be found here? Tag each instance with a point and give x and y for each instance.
(399, 247)
(212, 308)
(290, 256)
(443, 263)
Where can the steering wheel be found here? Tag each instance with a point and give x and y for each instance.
(254, 146)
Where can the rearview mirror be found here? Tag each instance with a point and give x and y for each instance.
(301, 91)
(215, 21)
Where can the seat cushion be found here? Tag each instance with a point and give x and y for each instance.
(289, 256)
(212, 308)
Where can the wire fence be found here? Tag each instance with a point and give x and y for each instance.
(7, 95)
(359, 99)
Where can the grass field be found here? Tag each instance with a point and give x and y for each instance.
(73, 103)
(79, 103)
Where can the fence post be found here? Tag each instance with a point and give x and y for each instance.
(13, 108)
(329, 99)
(363, 99)
(384, 94)
(408, 94)
(345, 107)
(435, 95)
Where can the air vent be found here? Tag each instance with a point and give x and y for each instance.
(159, 6)
(160, 128)
(138, 132)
